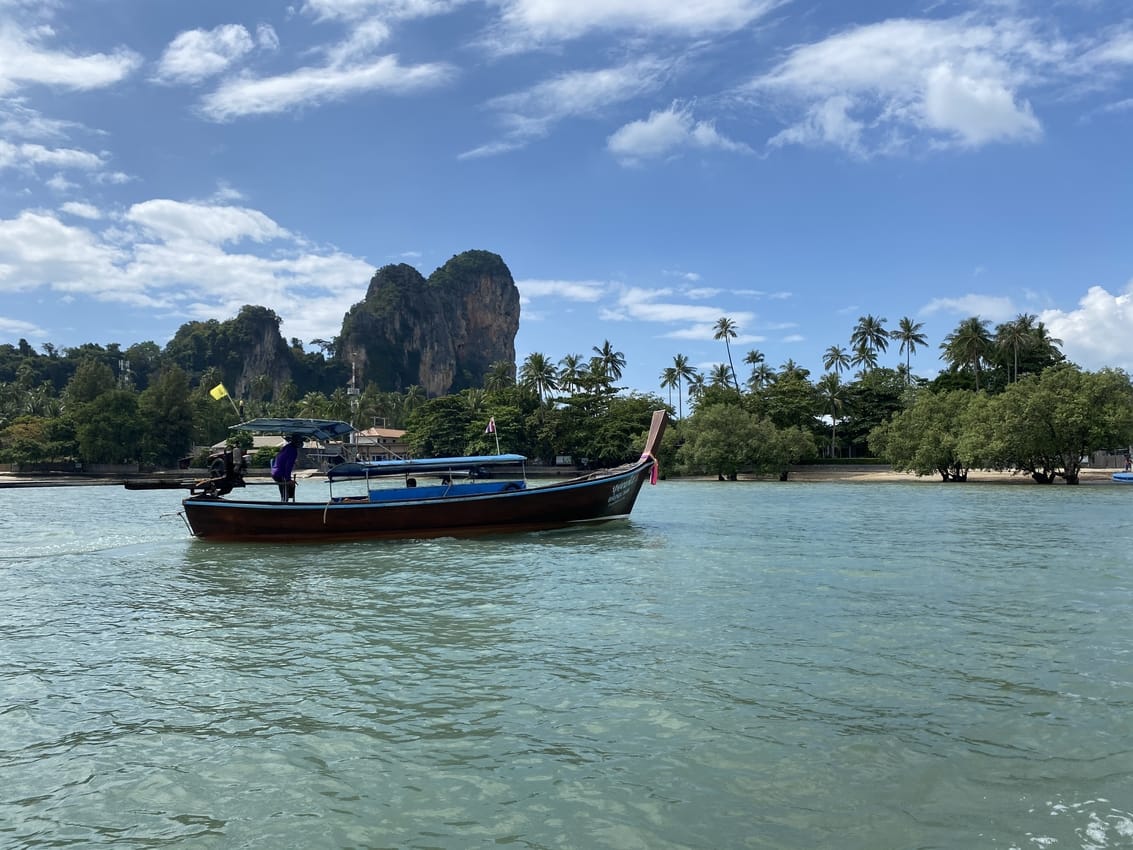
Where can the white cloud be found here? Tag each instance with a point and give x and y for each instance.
(1097, 334)
(571, 290)
(176, 221)
(698, 320)
(172, 256)
(16, 328)
(198, 54)
(24, 60)
(19, 121)
(36, 250)
(529, 23)
(530, 113)
(31, 155)
(976, 110)
(666, 132)
(875, 88)
(247, 95)
(992, 307)
(354, 10)
(81, 210)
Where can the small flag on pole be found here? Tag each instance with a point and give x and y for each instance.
(218, 392)
(491, 429)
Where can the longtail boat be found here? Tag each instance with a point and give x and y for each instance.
(431, 497)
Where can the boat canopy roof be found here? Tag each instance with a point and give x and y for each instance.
(440, 465)
(319, 429)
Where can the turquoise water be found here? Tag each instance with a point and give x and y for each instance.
(739, 666)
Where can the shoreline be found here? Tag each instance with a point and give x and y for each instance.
(886, 474)
(817, 473)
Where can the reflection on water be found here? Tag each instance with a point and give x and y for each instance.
(760, 666)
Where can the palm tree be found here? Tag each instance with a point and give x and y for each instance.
(909, 334)
(791, 369)
(414, 397)
(870, 333)
(686, 373)
(538, 373)
(831, 391)
(475, 400)
(669, 381)
(725, 329)
(968, 346)
(753, 359)
(836, 358)
(570, 371)
(696, 386)
(500, 375)
(865, 357)
(612, 361)
(313, 406)
(1047, 344)
(761, 376)
(721, 375)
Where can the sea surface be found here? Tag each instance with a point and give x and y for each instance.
(741, 665)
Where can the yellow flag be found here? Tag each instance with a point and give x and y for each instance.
(218, 392)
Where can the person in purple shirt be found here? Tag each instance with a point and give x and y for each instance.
(282, 465)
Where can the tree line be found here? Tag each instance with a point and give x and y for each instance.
(1008, 400)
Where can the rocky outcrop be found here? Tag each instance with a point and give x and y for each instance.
(442, 333)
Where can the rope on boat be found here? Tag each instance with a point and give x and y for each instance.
(656, 466)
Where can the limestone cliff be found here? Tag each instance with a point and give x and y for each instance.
(442, 333)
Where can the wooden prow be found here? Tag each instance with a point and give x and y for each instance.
(656, 432)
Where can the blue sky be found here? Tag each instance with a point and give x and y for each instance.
(644, 167)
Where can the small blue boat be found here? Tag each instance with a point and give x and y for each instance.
(1123, 477)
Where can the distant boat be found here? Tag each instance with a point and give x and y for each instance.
(460, 496)
(1123, 477)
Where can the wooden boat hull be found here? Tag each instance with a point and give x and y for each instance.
(600, 497)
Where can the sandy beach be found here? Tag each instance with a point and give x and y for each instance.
(885, 474)
(864, 474)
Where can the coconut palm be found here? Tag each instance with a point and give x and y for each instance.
(570, 371)
(870, 333)
(832, 392)
(313, 406)
(415, 396)
(612, 361)
(761, 376)
(864, 358)
(475, 401)
(500, 375)
(1047, 345)
(721, 375)
(725, 329)
(836, 358)
(685, 372)
(696, 386)
(909, 334)
(791, 369)
(669, 381)
(968, 346)
(539, 374)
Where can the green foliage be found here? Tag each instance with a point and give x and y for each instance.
(110, 430)
(869, 402)
(1043, 425)
(926, 437)
(724, 440)
(91, 380)
(25, 440)
(440, 428)
(166, 413)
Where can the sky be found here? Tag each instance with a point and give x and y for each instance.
(643, 167)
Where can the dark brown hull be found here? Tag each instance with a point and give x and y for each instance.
(598, 498)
